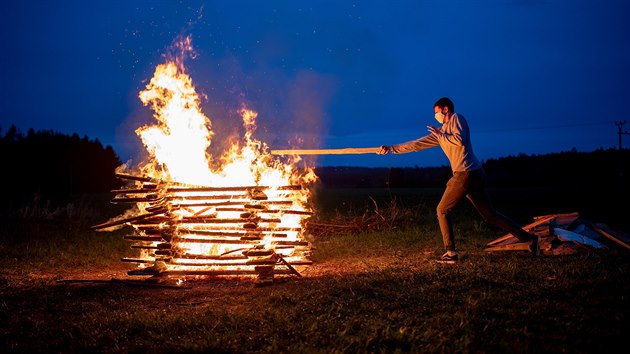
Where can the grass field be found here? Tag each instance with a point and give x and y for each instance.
(373, 287)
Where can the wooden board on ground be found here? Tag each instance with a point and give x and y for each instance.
(617, 237)
(539, 227)
(521, 246)
(546, 226)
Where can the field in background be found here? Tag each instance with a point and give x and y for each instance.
(520, 203)
(375, 290)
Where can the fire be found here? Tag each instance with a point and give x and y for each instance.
(193, 218)
(180, 141)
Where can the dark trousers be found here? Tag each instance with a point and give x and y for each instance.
(472, 185)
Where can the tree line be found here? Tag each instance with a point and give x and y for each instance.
(54, 165)
(603, 167)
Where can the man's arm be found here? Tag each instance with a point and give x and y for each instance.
(425, 142)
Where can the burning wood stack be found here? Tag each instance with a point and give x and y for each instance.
(237, 213)
(209, 231)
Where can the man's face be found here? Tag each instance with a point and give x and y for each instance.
(440, 114)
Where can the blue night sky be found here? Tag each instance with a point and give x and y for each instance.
(531, 76)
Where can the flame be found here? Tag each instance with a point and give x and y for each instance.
(179, 143)
(178, 146)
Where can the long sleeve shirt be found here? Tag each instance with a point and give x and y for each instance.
(453, 138)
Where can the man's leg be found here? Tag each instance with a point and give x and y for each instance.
(478, 196)
(454, 192)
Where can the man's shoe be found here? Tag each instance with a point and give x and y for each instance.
(448, 259)
(533, 245)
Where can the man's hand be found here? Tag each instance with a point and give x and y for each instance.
(433, 129)
(384, 149)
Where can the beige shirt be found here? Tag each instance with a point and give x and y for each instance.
(453, 138)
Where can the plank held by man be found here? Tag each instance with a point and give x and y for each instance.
(343, 151)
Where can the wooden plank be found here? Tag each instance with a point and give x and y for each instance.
(556, 215)
(126, 220)
(222, 257)
(136, 260)
(344, 151)
(143, 238)
(269, 211)
(224, 272)
(145, 189)
(528, 228)
(544, 245)
(609, 234)
(245, 203)
(146, 199)
(232, 197)
(566, 218)
(288, 265)
(141, 247)
(134, 178)
(238, 241)
(521, 246)
(233, 188)
(227, 264)
(291, 243)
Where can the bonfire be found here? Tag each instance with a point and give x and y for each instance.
(198, 215)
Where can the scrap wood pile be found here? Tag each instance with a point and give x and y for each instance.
(566, 234)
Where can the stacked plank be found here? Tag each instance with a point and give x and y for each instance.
(213, 231)
(565, 234)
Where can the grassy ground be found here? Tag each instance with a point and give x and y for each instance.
(372, 291)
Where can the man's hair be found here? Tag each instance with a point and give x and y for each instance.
(445, 102)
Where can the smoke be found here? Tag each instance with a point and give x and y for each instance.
(291, 107)
(292, 104)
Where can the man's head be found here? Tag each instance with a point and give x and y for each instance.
(445, 102)
(444, 109)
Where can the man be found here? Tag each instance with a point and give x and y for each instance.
(468, 179)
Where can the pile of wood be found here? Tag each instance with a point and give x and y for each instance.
(212, 231)
(566, 234)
